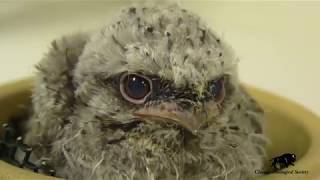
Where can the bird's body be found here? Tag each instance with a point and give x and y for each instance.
(153, 95)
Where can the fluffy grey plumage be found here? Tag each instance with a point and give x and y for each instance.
(88, 129)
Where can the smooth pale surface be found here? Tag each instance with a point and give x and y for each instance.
(277, 42)
(290, 127)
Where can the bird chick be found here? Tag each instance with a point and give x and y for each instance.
(154, 95)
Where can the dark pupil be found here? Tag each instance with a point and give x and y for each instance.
(136, 87)
(216, 88)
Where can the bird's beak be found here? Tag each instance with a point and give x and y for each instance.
(170, 113)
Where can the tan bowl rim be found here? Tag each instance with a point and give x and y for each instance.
(308, 121)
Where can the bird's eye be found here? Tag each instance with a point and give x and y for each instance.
(217, 90)
(135, 88)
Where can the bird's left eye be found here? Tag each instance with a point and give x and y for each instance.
(135, 88)
(217, 90)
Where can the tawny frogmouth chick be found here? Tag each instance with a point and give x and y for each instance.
(152, 95)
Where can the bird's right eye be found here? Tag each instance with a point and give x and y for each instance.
(135, 88)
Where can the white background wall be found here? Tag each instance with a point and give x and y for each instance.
(278, 43)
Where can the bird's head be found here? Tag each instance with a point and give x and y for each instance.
(156, 81)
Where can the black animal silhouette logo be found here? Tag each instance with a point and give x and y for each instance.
(283, 161)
